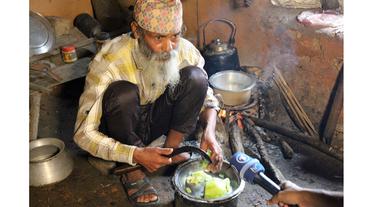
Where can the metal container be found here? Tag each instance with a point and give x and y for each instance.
(220, 55)
(234, 87)
(88, 25)
(41, 34)
(49, 162)
(182, 198)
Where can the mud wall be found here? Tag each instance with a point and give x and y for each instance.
(63, 8)
(267, 36)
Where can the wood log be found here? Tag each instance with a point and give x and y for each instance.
(286, 150)
(263, 134)
(34, 114)
(274, 173)
(303, 138)
(333, 110)
(223, 138)
(299, 115)
(235, 137)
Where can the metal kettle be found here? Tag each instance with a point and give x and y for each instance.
(220, 55)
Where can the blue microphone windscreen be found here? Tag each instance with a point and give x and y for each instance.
(247, 166)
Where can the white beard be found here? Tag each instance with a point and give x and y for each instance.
(161, 73)
(159, 70)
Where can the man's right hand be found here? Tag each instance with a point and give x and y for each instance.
(152, 158)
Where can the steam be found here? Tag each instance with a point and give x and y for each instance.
(281, 55)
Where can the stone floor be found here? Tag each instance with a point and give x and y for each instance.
(86, 186)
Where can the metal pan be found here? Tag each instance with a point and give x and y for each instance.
(41, 34)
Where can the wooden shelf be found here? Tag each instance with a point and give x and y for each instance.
(41, 82)
(86, 49)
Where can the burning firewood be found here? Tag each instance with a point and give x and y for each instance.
(274, 172)
(303, 138)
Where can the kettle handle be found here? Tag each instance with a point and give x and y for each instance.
(228, 22)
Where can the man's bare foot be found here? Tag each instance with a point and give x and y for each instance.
(147, 195)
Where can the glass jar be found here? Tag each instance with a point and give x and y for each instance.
(69, 53)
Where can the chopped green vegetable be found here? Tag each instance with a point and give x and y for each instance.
(209, 152)
(198, 177)
(204, 164)
(214, 187)
(217, 188)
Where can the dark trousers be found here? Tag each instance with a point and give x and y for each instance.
(124, 119)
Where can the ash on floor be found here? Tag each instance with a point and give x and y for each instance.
(86, 186)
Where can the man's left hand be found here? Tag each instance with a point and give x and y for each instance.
(209, 142)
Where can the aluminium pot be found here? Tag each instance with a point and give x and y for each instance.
(48, 161)
(183, 198)
(234, 88)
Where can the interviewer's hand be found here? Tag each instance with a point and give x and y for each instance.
(152, 158)
(290, 194)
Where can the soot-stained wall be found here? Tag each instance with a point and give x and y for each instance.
(267, 36)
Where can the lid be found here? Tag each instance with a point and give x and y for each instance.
(68, 48)
(217, 46)
(41, 34)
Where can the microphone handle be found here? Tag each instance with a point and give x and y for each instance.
(267, 184)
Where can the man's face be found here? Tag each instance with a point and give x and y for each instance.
(161, 43)
(157, 55)
(154, 43)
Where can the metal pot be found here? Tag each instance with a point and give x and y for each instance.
(182, 198)
(49, 162)
(234, 87)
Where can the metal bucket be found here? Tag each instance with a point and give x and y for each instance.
(182, 198)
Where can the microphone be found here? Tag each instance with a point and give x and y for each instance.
(251, 170)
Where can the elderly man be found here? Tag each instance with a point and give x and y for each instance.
(143, 85)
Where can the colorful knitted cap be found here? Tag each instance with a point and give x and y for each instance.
(159, 16)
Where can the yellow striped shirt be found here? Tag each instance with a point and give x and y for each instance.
(113, 63)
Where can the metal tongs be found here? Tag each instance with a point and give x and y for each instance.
(180, 150)
(125, 168)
